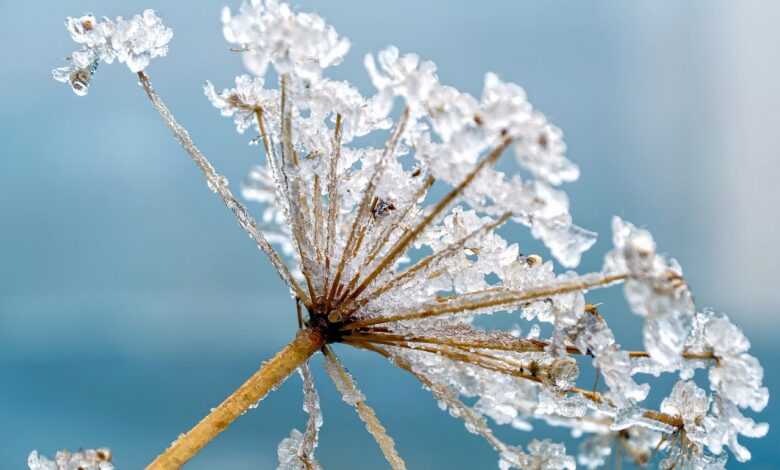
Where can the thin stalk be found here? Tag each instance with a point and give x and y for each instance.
(217, 183)
(400, 246)
(368, 196)
(406, 276)
(298, 205)
(347, 386)
(270, 375)
(397, 222)
(333, 199)
(510, 298)
(517, 345)
(311, 434)
(514, 345)
(475, 359)
(474, 421)
(694, 356)
(673, 421)
(318, 219)
(264, 136)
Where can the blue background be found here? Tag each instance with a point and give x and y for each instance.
(131, 303)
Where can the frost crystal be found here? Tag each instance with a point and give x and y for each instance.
(270, 32)
(688, 402)
(380, 264)
(713, 427)
(97, 459)
(134, 42)
(655, 290)
(138, 40)
(737, 376)
(296, 452)
(402, 75)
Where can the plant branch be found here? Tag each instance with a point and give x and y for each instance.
(270, 375)
(520, 373)
(506, 298)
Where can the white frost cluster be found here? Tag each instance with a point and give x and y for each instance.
(713, 423)
(97, 459)
(134, 41)
(655, 290)
(269, 32)
(678, 338)
(737, 376)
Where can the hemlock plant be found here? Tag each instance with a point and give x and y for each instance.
(349, 219)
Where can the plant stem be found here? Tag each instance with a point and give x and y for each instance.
(461, 304)
(271, 374)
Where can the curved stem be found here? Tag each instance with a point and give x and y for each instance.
(271, 374)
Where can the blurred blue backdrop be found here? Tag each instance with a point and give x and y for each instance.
(131, 303)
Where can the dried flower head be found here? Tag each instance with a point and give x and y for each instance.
(378, 263)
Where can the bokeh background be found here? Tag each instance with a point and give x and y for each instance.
(131, 303)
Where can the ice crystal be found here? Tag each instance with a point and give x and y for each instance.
(737, 376)
(97, 459)
(402, 75)
(709, 423)
(133, 41)
(655, 290)
(381, 265)
(296, 452)
(269, 32)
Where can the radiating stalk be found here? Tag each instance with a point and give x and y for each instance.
(410, 273)
(673, 421)
(270, 375)
(368, 196)
(297, 221)
(333, 199)
(403, 243)
(507, 299)
(395, 222)
(390, 225)
(347, 387)
(474, 421)
(217, 184)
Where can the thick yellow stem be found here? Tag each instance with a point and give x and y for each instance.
(271, 373)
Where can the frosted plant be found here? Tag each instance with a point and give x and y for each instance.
(374, 261)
